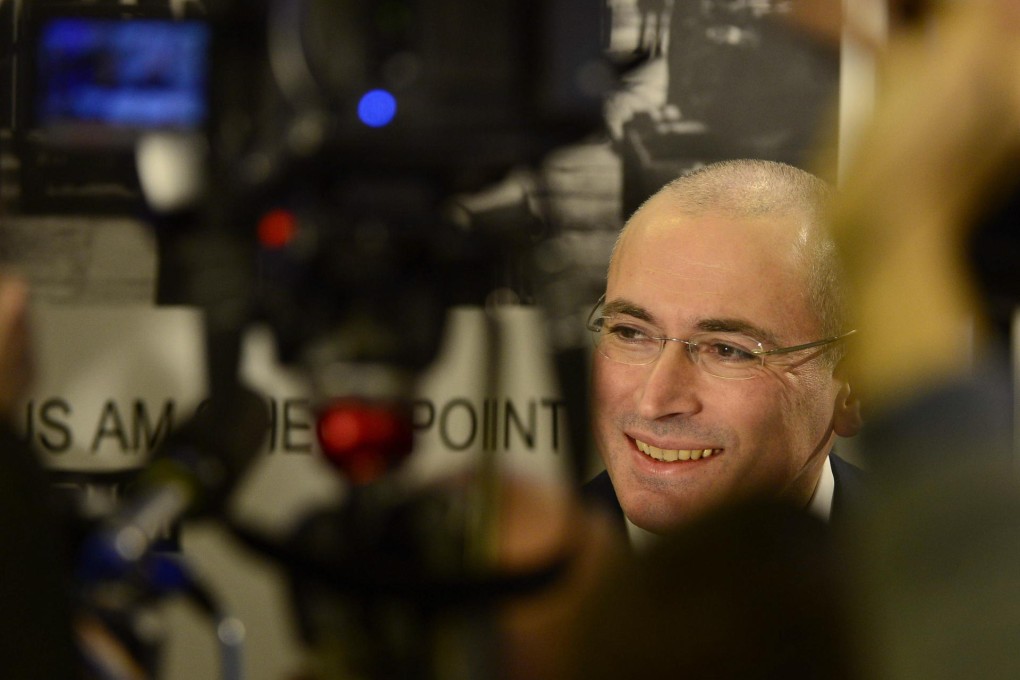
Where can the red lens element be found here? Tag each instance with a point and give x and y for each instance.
(364, 440)
(277, 228)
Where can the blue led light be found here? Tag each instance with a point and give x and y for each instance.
(377, 108)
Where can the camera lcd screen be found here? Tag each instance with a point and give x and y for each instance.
(138, 74)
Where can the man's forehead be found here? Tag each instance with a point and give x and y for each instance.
(686, 269)
(685, 246)
(683, 255)
(704, 288)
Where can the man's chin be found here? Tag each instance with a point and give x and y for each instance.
(664, 516)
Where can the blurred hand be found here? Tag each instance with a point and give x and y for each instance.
(16, 361)
(942, 141)
(539, 632)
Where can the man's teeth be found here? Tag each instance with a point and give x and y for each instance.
(670, 455)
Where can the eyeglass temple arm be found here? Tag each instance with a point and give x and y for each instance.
(809, 345)
(592, 320)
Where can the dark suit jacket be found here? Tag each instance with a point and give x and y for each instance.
(849, 480)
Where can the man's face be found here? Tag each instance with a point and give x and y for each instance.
(767, 435)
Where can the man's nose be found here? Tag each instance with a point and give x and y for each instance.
(672, 384)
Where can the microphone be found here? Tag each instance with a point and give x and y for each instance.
(194, 473)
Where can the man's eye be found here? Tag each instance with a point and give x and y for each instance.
(627, 333)
(727, 351)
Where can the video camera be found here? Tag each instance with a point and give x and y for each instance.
(324, 141)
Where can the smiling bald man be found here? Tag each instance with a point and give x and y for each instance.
(716, 377)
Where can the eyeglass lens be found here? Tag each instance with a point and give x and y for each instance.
(721, 355)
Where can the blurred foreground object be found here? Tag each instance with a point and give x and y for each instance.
(393, 588)
(16, 360)
(933, 558)
(753, 590)
(36, 638)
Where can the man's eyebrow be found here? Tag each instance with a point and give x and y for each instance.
(629, 308)
(738, 326)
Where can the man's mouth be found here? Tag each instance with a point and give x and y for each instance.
(671, 455)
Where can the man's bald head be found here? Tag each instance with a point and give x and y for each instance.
(749, 189)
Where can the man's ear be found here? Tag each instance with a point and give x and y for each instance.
(846, 417)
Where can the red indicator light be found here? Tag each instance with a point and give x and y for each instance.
(364, 440)
(277, 228)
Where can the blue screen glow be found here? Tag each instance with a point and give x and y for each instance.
(138, 73)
